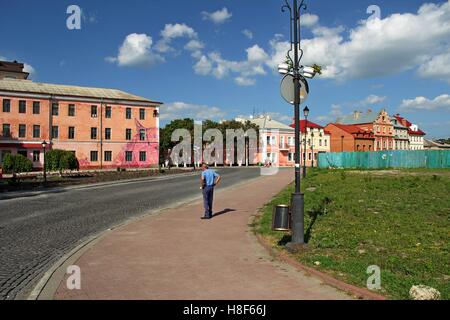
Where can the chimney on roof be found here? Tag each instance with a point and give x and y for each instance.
(356, 115)
(369, 110)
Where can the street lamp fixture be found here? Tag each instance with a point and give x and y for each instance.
(44, 147)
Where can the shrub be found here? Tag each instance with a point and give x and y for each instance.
(16, 164)
(60, 160)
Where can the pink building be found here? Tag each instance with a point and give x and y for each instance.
(276, 142)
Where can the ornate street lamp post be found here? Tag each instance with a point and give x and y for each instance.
(44, 146)
(305, 113)
(312, 149)
(300, 90)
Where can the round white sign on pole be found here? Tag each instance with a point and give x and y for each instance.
(288, 89)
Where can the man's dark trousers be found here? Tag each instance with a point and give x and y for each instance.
(208, 193)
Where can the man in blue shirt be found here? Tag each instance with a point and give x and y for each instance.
(209, 180)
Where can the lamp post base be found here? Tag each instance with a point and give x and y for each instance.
(296, 247)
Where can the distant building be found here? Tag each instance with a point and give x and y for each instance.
(379, 123)
(12, 70)
(318, 140)
(433, 145)
(105, 128)
(401, 135)
(416, 136)
(350, 138)
(276, 144)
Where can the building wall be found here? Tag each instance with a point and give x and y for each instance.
(341, 141)
(280, 150)
(82, 123)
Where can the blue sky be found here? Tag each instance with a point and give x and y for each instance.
(216, 59)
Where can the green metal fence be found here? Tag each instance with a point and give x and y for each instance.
(432, 159)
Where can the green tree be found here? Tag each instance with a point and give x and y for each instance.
(16, 164)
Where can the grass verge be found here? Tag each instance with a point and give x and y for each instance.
(353, 220)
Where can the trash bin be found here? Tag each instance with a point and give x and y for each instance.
(281, 220)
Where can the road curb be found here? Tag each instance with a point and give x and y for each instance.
(358, 292)
(49, 283)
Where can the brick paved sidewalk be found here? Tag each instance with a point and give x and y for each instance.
(175, 255)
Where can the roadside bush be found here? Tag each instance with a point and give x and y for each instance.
(60, 160)
(14, 164)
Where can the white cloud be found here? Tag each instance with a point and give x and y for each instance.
(171, 32)
(371, 100)
(217, 17)
(203, 66)
(247, 33)
(332, 116)
(28, 68)
(440, 103)
(178, 110)
(309, 20)
(213, 64)
(377, 47)
(178, 30)
(256, 54)
(242, 81)
(438, 67)
(136, 50)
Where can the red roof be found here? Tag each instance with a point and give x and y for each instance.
(416, 133)
(408, 124)
(351, 128)
(403, 121)
(310, 125)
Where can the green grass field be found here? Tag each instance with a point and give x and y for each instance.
(397, 220)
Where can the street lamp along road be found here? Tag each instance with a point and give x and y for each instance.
(44, 146)
(305, 113)
(297, 75)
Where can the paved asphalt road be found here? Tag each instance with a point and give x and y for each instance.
(35, 232)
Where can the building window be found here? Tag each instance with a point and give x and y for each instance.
(23, 153)
(142, 114)
(107, 133)
(108, 112)
(36, 107)
(36, 131)
(36, 155)
(326, 143)
(6, 130)
(128, 113)
(128, 156)
(71, 111)
(71, 134)
(142, 156)
(320, 142)
(94, 156)
(93, 133)
(290, 157)
(309, 156)
(128, 134)
(108, 156)
(6, 105)
(55, 109)
(142, 135)
(22, 130)
(55, 132)
(357, 147)
(22, 106)
(93, 111)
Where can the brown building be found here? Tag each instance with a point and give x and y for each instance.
(350, 138)
(379, 123)
(105, 128)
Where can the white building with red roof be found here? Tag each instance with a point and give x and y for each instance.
(416, 136)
